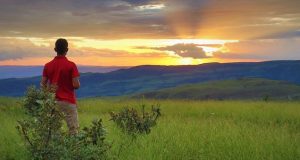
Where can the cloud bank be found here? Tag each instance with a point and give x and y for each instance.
(185, 50)
(117, 19)
(267, 29)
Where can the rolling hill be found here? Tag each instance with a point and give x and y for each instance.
(150, 78)
(30, 71)
(243, 88)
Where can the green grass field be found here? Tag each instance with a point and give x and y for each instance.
(232, 89)
(186, 130)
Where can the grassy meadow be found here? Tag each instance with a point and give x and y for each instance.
(186, 130)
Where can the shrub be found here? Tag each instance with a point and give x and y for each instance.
(44, 136)
(266, 98)
(88, 144)
(133, 123)
(42, 127)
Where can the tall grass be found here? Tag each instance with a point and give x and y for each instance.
(186, 130)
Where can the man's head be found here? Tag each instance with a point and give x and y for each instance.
(61, 46)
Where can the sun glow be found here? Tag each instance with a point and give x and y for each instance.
(189, 61)
(143, 45)
(120, 52)
(186, 61)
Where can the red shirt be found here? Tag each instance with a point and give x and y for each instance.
(60, 71)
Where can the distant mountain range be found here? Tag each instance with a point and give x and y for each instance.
(243, 88)
(150, 78)
(30, 71)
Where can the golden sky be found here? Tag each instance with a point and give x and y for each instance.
(157, 32)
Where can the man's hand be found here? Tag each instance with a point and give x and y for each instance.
(44, 81)
(76, 83)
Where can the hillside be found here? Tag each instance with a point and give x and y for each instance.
(31, 71)
(150, 78)
(245, 88)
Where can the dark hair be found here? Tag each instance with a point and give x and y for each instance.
(61, 46)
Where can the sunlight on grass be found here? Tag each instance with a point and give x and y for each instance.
(186, 130)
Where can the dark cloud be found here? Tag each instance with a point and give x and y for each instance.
(274, 49)
(94, 18)
(185, 50)
(12, 49)
(283, 35)
(140, 2)
(117, 19)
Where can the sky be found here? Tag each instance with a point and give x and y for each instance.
(149, 32)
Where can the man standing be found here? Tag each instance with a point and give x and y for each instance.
(65, 76)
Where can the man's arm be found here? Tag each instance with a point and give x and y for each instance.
(76, 83)
(44, 81)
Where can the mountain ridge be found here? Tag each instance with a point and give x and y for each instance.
(151, 77)
(31, 71)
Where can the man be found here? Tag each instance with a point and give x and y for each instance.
(65, 76)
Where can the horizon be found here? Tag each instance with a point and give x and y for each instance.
(79, 65)
(149, 32)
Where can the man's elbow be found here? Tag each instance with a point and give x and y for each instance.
(76, 83)
(76, 86)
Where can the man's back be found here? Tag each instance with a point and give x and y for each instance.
(60, 72)
(64, 74)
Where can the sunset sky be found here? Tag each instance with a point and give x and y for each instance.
(158, 32)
